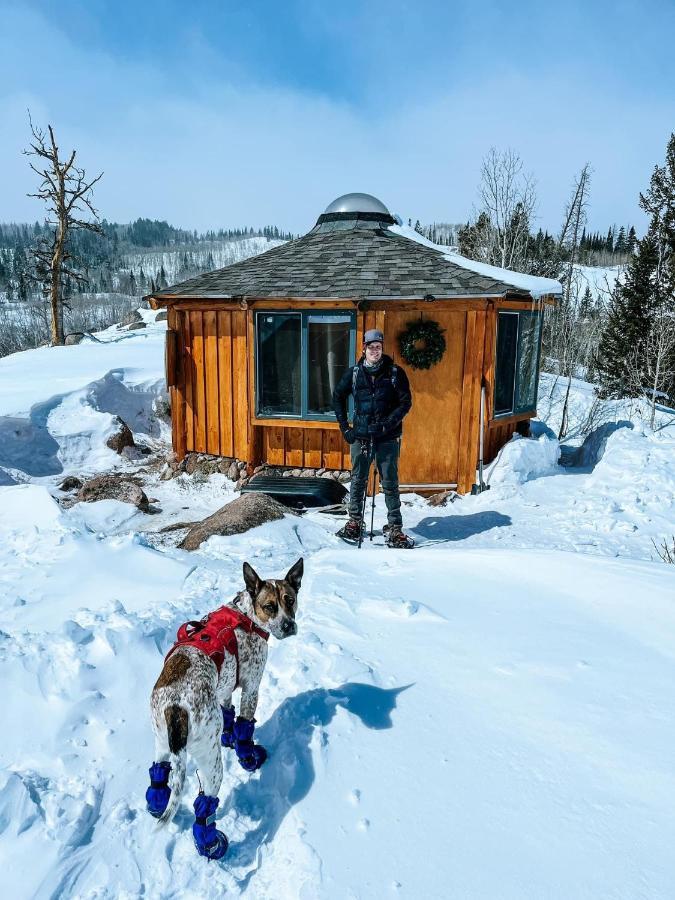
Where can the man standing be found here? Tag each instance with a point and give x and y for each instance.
(381, 399)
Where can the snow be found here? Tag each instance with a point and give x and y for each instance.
(536, 285)
(489, 715)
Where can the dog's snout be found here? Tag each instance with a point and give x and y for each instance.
(289, 627)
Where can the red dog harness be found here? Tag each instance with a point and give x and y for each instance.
(214, 635)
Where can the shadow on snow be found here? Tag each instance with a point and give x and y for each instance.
(457, 528)
(288, 775)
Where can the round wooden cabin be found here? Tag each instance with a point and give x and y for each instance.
(254, 350)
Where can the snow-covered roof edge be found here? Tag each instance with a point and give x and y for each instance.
(537, 286)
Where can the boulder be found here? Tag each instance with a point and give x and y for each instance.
(441, 498)
(130, 318)
(121, 437)
(247, 511)
(70, 483)
(233, 472)
(135, 325)
(111, 487)
(162, 316)
(73, 338)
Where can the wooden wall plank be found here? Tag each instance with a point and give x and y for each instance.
(189, 366)
(175, 321)
(211, 382)
(199, 383)
(224, 338)
(313, 440)
(295, 448)
(332, 450)
(464, 480)
(240, 385)
(273, 446)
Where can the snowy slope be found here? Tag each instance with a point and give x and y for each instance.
(490, 715)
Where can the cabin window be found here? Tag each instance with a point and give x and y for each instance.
(517, 363)
(299, 360)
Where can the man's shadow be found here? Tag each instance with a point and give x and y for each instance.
(457, 528)
(288, 774)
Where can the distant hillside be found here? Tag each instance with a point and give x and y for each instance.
(132, 259)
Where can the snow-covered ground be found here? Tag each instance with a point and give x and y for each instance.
(491, 715)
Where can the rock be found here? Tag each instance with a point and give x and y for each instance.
(242, 481)
(133, 454)
(191, 462)
(135, 325)
(247, 511)
(441, 498)
(130, 318)
(328, 475)
(233, 472)
(224, 464)
(111, 487)
(295, 473)
(167, 473)
(307, 473)
(258, 469)
(73, 338)
(172, 459)
(121, 437)
(320, 472)
(70, 483)
(344, 477)
(241, 464)
(162, 316)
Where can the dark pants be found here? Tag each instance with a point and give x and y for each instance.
(386, 459)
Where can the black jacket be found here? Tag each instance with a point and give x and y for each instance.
(382, 400)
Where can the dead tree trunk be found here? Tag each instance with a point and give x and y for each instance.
(67, 193)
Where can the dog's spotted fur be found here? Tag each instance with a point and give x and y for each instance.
(188, 696)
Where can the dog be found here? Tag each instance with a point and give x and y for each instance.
(191, 702)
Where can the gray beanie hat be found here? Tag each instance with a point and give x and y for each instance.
(373, 334)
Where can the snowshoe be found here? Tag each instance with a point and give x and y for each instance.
(396, 539)
(351, 532)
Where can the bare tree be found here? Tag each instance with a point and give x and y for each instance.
(501, 229)
(67, 192)
(569, 339)
(648, 371)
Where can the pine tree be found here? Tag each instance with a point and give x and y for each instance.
(609, 241)
(631, 240)
(620, 245)
(628, 321)
(641, 320)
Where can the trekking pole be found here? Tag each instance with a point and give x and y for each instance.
(372, 508)
(365, 492)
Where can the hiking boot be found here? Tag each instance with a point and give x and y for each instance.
(352, 530)
(397, 539)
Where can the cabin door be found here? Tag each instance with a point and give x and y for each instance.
(430, 446)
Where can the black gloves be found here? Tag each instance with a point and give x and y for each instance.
(349, 435)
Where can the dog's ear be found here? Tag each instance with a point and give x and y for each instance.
(251, 580)
(294, 575)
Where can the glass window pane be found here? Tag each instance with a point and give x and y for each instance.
(327, 359)
(505, 369)
(279, 353)
(528, 346)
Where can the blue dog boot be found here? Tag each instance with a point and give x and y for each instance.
(210, 842)
(157, 795)
(227, 737)
(251, 756)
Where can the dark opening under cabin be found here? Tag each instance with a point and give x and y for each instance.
(254, 350)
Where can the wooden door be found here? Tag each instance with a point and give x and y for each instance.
(431, 430)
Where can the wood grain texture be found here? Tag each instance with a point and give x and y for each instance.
(240, 385)
(211, 382)
(199, 383)
(189, 363)
(225, 405)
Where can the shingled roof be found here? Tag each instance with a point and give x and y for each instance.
(346, 255)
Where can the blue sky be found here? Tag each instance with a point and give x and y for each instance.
(223, 113)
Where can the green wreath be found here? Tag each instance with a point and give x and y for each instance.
(430, 353)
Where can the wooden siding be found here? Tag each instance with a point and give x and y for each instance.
(213, 393)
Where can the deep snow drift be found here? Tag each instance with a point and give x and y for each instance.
(490, 715)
